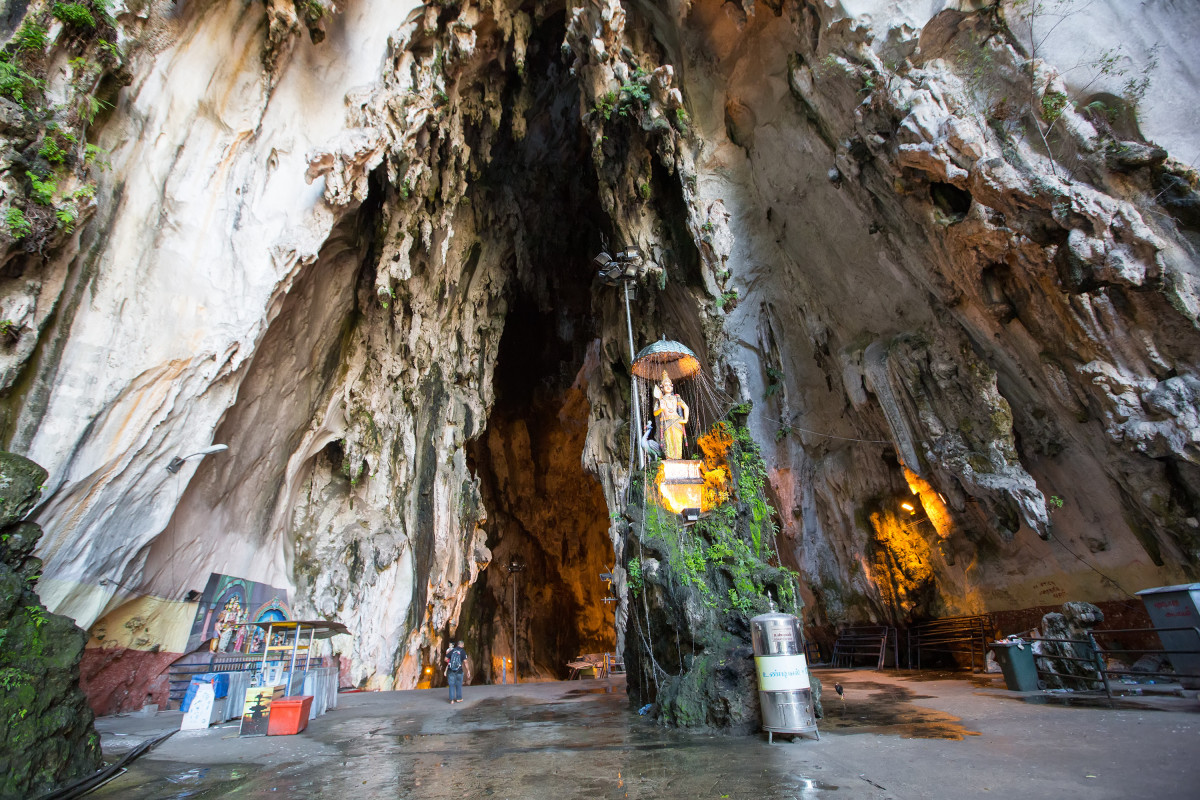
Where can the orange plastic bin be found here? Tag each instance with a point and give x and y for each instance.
(289, 715)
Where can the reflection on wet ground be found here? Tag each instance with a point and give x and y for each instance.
(981, 680)
(585, 743)
(871, 707)
(574, 740)
(1076, 700)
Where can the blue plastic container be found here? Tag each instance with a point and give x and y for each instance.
(190, 694)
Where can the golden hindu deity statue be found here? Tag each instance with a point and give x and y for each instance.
(672, 415)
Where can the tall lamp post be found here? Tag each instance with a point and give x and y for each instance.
(515, 566)
(624, 268)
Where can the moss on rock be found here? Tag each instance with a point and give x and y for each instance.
(20, 486)
(689, 650)
(46, 727)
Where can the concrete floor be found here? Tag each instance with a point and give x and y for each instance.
(897, 735)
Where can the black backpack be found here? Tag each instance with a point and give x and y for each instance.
(456, 659)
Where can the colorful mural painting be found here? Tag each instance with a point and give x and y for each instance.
(124, 666)
(228, 607)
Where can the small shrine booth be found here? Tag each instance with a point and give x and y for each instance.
(280, 667)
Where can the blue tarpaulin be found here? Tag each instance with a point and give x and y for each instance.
(220, 684)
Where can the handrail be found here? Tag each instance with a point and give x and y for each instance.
(962, 634)
(865, 640)
(1101, 666)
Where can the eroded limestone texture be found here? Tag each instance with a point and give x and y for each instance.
(943, 274)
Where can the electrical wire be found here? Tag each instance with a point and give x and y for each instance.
(709, 404)
(654, 665)
(84, 785)
(1091, 566)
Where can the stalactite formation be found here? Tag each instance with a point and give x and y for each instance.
(953, 287)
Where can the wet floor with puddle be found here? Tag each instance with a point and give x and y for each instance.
(582, 739)
(884, 708)
(1076, 700)
(981, 680)
(587, 743)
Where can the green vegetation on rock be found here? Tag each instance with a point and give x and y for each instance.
(75, 14)
(693, 590)
(15, 222)
(47, 738)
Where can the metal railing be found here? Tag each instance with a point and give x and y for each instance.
(954, 635)
(1099, 666)
(179, 676)
(865, 641)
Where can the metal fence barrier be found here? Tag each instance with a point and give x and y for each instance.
(955, 635)
(865, 641)
(1101, 672)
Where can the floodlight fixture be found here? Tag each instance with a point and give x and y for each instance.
(177, 461)
(625, 265)
(111, 582)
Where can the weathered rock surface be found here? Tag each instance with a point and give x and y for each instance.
(46, 733)
(693, 591)
(1058, 662)
(943, 273)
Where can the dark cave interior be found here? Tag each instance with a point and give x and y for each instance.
(542, 507)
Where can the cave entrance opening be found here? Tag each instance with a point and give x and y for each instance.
(543, 508)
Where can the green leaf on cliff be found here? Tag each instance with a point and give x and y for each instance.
(18, 226)
(76, 15)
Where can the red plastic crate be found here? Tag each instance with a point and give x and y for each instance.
(289, 715)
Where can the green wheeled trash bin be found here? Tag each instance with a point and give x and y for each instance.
(1015, 658)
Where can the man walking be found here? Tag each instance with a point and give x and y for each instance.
(457, 666)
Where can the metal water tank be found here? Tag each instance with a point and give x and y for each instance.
(784, 690)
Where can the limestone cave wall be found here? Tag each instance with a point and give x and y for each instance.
(949, 272)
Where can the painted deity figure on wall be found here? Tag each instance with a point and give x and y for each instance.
(240, 640)
(226, 623)
(672, 415)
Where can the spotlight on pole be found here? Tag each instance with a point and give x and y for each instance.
(623, 269)
(624, 266)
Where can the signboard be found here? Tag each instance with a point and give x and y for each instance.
(781, 673)
(257, 709)
(200, 712)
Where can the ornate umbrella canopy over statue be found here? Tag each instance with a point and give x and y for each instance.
(673, 358)
(663, 364)
(673, 395)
